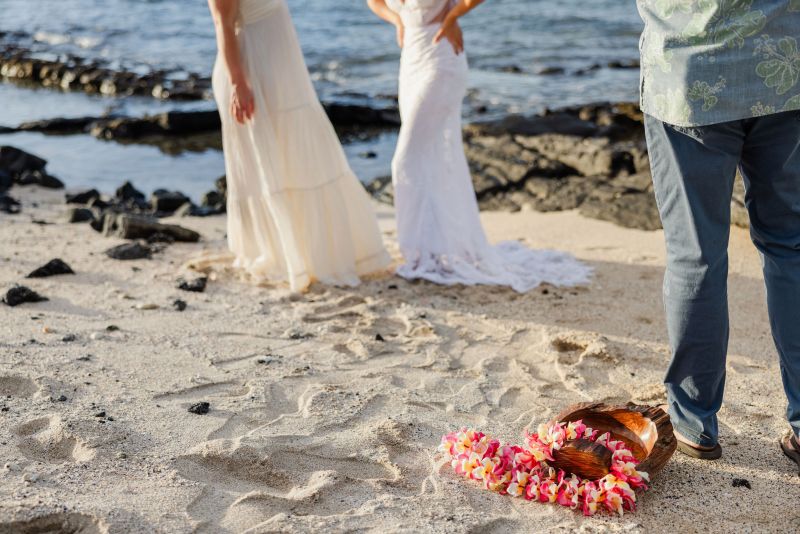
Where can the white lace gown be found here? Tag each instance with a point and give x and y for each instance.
(438, 226)
(296, 211)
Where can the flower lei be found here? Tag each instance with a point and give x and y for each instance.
(523, 471)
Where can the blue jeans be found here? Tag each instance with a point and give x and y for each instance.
(693, 173)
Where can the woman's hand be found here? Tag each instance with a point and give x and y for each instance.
(451, 31)
(243, 103)
(401, 33)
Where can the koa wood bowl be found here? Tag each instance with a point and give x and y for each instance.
(646, 430)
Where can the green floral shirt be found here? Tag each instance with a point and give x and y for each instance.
(711, 61)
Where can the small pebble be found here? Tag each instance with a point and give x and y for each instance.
(69, 338)
(147, 306)
(379, 337)
(201, 408)
(741, 483)
(62, 398)
(100, 414)
(112, 328)
(179, 305)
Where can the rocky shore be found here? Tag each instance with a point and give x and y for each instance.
(20, 64)
(592, 158)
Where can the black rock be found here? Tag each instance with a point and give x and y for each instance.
(9, 205)
(19, 294)
(179, 304)
(167, 201)
(550, 71)
(112, 328)
(213, 199)
(69, 338)
(160, 237)
(741, 483)
(624, 64)
(51, 268)
(512, 69)
(201, 408)
(62, 398)
(369, 154)
(15, 161)
(40, 178)
(130, 251)
(379, 337)
(221, 184)
(83, 197)
(100, 414)
(141, 227)
(79, 215)
(6, 180)
(127, 192)
(58, 125)
(198, 285)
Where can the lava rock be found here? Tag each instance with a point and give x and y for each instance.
(130, 251)
(213, 199)
(40, 178)
(58, 125)
(15, 161)
(83, 197)
(20, 294)
(201, 408)
(128, 192)
(51, 268)
(198, 285)
(6, 180)
(79, 215)
(179, 305)
(167, 201)
(9, 205)
(129, 226)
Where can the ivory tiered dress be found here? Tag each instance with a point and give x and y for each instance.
(438, 226)
(296, 211)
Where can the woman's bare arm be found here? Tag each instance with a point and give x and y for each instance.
(383, 11)
(450, 29)
(225, 13)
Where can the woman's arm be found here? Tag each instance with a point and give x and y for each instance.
(225, 13)
(450, 29)
(383, 11)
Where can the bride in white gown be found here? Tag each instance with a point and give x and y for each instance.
(296, 212)
(438, 226)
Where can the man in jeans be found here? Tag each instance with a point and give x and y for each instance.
(721, 90)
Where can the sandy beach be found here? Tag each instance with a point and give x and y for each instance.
(325, 409)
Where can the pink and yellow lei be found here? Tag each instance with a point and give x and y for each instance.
(523, 471)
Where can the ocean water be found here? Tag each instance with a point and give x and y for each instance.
(347, 51)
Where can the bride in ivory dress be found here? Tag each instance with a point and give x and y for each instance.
(438, 225)
(296, 212)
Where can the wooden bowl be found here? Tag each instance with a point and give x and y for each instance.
(646, 431)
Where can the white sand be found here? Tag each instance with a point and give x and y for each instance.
(333, 430)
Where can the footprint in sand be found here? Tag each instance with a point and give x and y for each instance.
(17, 386)
(248, 485)
(589, 365)
(344, 308)
(583, 359)
(47, 440)
(62, 523)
